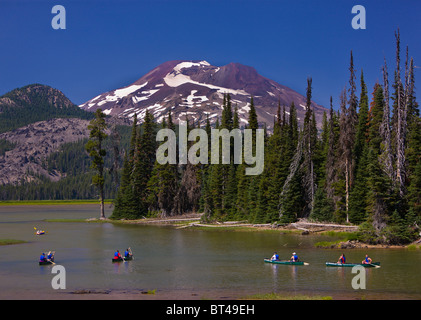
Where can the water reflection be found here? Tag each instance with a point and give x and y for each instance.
(46, 269)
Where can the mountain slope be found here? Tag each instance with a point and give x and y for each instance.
(196, 89)
(32, 144)
(34, 103)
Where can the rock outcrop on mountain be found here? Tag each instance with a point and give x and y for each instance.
(33, 143)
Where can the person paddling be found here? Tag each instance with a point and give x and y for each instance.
(342, 259)
(275, 257)
(294, 257)
(42, 258)
(117, 255)
(127, 253)
(367, 260)
(50, 256)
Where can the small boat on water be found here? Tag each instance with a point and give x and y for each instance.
(128, 255)
(296, 263)
(39, 232)
(365, 265)
(46, 260)
(119, 259)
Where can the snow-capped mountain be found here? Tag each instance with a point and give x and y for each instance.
(196, 89)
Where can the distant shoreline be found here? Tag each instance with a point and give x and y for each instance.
(193, 220)
(50, 202)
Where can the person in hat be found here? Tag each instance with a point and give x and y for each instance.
(42, 258)
(294, 257)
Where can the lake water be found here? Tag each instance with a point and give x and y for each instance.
(183, 262)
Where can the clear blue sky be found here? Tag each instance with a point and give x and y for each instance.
(109, 44)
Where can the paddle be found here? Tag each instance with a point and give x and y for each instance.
(374, 265)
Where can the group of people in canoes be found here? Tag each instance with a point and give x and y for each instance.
(49, 257)
(127, 254)
(342, 258)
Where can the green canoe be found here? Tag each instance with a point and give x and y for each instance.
(43, 263)
(365, 265)
(117, 260)
(298, 263)
(128, 258)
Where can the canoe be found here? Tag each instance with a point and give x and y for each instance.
(128, 258)
(335, 264)
(43, 263)
(117, 260)
(298, 263)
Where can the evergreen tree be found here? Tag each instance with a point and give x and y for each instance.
(309, 146)
(236, 120)
(143, 163)
(95, 149)
(362, 127)
(252, 117)
(163, 184)
(125, 201)
(331, 155)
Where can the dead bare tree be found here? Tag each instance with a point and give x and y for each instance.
(402, 96)
(386, 157)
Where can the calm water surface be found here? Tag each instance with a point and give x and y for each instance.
(184, 261)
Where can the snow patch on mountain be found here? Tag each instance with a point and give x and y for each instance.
(175, 79)
(120, 93)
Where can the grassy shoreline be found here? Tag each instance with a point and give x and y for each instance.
(347, 239)
(6, 242)
(286, 296)
(50, 202)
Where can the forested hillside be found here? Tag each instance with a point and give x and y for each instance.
(73, 163)
(34, 103)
